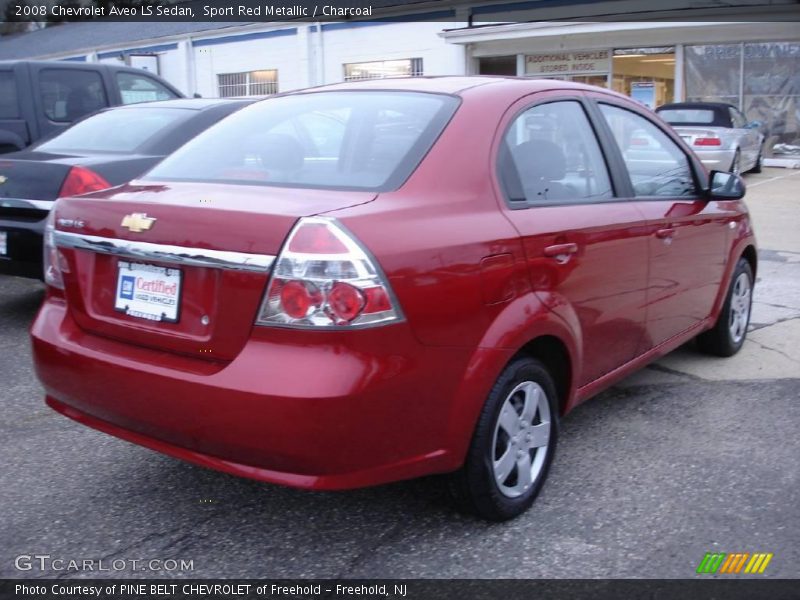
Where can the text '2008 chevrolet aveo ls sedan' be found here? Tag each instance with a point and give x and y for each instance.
(370, 282)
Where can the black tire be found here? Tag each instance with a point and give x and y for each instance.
(473, 487)
(736, 164)
(759, 160)
(719, 340)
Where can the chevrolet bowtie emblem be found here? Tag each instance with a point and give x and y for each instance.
(138, 222)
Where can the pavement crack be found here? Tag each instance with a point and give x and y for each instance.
(369, 550)
(781, 352)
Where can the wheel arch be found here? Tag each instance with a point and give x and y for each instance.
(751, 256)
(553, 353)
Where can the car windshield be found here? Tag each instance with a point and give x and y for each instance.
(687, 116)
(122, 130)
(368, 140)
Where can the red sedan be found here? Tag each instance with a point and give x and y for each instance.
(373, 281)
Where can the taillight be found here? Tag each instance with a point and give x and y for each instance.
(324, 278)
(81, 180)
(708, 141)
(52, 257)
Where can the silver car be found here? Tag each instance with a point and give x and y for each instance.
(718, 133)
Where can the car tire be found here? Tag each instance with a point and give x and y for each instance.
(728, 334)
(759, 161)
(494, 482)
(736, 164)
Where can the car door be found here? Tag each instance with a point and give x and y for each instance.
(687, 234)
(585, 246)
(65, 94)
(750, 140)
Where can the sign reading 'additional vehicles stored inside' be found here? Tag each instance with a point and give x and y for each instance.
(148, 291)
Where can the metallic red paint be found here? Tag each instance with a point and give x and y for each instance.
(476, 281)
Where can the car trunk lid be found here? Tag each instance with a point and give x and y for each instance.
(180, 267)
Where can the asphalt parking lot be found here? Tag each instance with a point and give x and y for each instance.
(691, 455)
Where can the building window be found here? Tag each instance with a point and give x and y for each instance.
(382, 69)
(251, 83)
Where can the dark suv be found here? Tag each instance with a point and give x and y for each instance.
(38, 99)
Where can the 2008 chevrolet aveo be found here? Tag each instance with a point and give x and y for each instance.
(370, 282)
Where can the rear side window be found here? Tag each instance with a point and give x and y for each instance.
(343, 140)
(116, 130)
(9, 104)
(550, 155)
(656, 164)
(69, 94)
(135, 88)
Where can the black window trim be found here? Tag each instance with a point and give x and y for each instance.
(694, 168)
(617, 183)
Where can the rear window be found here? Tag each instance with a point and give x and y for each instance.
(335, 140)
(9, 105)
(688, 116)
(121, 130)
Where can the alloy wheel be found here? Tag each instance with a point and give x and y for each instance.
(739, 308)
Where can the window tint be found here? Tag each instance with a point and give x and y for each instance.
(359, 140)
(657, 166)
(135, 88)
(69, 94)
(550, 154)
(687, 116)
(9, 105)
(116, 130)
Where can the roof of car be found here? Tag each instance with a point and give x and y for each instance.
(447, 84)
(189, 103)
(711, 105)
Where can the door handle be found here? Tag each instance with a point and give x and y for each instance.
(665, 233)
(561, 249)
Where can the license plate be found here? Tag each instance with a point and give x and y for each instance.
(3, 243)
(148, 292)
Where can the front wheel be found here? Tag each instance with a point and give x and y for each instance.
(728, 334)
(513, 444)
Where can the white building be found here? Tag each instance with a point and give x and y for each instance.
(719, 56)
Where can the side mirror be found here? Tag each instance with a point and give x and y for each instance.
(753, 125)
(725, 186)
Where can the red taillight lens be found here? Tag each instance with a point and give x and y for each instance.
(324, 278)
(81, 180)
(708, 141)
(52, 256)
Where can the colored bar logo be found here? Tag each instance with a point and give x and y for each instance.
(735, 563)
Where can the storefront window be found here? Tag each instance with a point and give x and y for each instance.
(713, 73)
(586, 66)
(645, 74)
(771, 94)
(498, 65)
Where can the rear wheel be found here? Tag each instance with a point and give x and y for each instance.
(759, 161)
(728, 334)
(513, 444)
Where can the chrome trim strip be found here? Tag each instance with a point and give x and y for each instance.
(24, 203)
(196, 257)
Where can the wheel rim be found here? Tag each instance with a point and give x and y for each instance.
(739, 308)
(521, 439)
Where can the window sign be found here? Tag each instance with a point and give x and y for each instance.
(565, 63)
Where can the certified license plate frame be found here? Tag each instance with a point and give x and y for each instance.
(127, 268)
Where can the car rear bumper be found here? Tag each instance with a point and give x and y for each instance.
(24, 248)
(716, 160)
(326, 416)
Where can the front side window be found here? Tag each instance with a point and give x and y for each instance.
(351, 140)
(135, 88)
(249, 83)
(69, 94)
(656, 164)
(550, 154)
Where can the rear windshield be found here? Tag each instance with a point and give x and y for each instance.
(688, 116)
(367, 140)
(119, 131)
